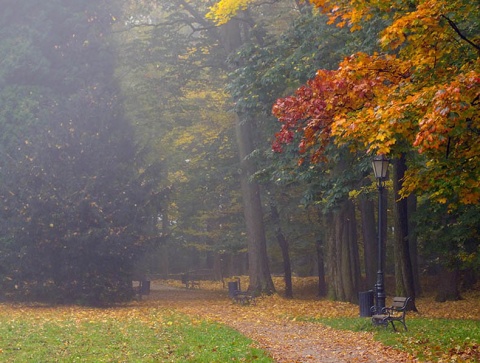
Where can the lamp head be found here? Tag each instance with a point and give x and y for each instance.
(380, 166)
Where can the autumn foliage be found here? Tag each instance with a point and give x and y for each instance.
(421, 93)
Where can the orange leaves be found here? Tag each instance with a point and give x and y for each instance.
(452, 112)
(425, 96)
(416, 26)
(348, 13)
(353, 102)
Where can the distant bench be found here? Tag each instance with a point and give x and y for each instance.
(141, 287)
(189, 281)
(243, 297)
(395, 312)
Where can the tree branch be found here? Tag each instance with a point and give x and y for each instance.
(458, 31)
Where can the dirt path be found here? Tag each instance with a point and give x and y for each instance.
(286, 340)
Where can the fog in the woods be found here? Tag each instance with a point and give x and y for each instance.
(136, 143)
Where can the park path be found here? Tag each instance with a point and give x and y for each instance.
(287, 341)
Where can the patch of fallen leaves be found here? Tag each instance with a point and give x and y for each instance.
(468, 308)
(273, 322)
(38, 314)
(307, 305)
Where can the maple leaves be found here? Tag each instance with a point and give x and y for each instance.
(425, 96)
(344, 104)
(452, 107)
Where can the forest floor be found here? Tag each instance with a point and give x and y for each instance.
(272, 323)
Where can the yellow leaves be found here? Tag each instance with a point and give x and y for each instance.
(417, 26)
(423, 97)
(380, 137)
(224, 10)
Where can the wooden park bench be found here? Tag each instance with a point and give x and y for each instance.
(395, 312)
(141, 287)
(190, 282)
(244, 297)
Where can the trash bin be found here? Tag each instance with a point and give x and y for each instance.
(365, 300)
(145, 287)
(232, 288)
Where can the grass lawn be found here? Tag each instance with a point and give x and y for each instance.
(430, 339)
(117, 335)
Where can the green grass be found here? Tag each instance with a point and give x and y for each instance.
(429, 339)
(165, 338)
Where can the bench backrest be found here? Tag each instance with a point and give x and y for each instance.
(400, 303)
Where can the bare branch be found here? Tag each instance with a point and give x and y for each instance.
(460, 34)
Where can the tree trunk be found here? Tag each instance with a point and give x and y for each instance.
(259, 271)
(283, 243)
(448, 285)
(405, 284)
(367, 211)
(344, 265)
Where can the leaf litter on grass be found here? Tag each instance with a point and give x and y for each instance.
(279, 325)
(264, 322)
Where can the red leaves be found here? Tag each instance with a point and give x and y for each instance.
(307, 113)
(340, 103)
(376, 102)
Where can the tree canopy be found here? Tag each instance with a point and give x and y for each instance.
(421, 92)
(121, 124)
(73, 200)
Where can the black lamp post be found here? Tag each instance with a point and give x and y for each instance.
(380, 167)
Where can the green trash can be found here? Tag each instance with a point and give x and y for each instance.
(232, 288)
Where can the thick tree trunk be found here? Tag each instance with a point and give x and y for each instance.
(283, 243)
(343, 258)
(448, 285)
(405, 284)
(259, 271)
(367, 211)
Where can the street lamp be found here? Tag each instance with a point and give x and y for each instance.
(380, 167)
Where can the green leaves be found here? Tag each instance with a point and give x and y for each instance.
(74, 210)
